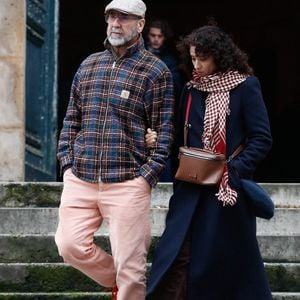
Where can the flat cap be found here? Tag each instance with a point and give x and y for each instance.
(134, 7)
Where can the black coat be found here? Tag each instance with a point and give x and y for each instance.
(225, 259)
(170, 59)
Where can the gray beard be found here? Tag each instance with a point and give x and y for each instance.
(118, 42)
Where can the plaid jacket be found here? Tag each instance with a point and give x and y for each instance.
(112, 103)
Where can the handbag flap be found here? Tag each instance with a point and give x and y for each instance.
(201, 153)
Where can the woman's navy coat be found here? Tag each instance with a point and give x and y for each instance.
(225, 260)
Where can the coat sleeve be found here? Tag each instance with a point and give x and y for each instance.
(177, 78)
(258, 139)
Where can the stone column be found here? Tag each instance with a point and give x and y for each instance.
(12, 89)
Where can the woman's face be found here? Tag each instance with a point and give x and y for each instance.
(204, 65)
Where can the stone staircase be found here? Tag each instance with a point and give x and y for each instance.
(30, 267)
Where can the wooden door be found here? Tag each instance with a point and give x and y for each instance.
(41, 98)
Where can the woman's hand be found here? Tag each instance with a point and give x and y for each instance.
(151, 138)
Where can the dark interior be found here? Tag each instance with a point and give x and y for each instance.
(267, 30)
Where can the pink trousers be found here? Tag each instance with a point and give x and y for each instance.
(126, 208)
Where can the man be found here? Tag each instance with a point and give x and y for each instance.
(108, 171)
(160, 43)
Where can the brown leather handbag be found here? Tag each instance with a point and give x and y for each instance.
(198, 165)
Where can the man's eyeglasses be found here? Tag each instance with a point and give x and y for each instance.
(122, 18)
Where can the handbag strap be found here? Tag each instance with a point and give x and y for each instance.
(236, 152)
(187, 126)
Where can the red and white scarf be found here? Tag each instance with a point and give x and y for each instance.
(218, 87)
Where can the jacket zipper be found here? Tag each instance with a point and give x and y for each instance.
(105, 118)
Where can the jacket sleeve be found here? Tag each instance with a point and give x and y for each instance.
(258, 140)
(71, 126)
(159, 106)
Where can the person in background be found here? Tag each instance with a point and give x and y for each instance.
(108, 171)
(160, 42)
(209, 249)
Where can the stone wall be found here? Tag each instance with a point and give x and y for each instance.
(12, 89)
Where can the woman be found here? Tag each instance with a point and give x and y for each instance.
(209, 250)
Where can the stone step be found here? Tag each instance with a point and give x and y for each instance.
(101, 296)
(37, 220)
(286, 296)
(55, 296)
(23, 194)
(286, 221)
(42, 248)
(283, 277)
(58, 277)
(42, 194)
(279, 248)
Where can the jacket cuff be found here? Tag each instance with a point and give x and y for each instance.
(149, 175)
(65, 163)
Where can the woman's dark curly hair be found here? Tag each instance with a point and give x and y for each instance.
(212, 41)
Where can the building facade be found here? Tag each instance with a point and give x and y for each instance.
(12, 90)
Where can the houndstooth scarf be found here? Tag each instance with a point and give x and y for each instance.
(218, 87)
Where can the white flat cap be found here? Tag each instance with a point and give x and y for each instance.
(134, 7)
